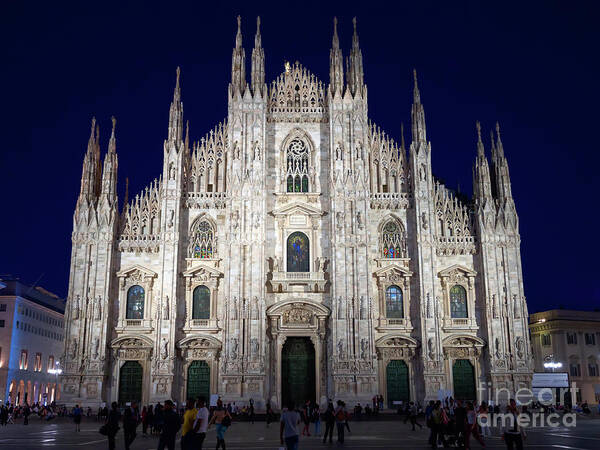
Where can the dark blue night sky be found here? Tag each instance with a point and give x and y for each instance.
(532, 66)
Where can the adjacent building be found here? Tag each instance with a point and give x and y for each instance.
(569, 341)
(32, 331)
(296, 251)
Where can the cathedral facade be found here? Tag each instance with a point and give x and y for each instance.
(295, 252)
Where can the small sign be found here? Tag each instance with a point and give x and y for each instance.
(213, 399)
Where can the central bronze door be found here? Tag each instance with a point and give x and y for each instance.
(297, 371)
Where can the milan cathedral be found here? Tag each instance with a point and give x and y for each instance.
(295, 252)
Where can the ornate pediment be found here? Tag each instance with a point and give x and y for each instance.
(457, 271)
(396, 340)
(462, 346)
(132, 348)
(394, 268)
(202, 272)
(297, 208)
(137, 272)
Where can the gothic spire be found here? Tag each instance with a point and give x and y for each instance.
(238, 62)
(176, 113)
(109, 172)
(418, 115)
(482, 186)
(501, 173)
(258, 62)
(355, 77)
(336, 69)
(91, 166)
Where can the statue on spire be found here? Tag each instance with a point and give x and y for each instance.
(257, 77)
(336, 70)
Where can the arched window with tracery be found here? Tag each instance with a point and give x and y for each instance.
(393, 240)
(203, 241)
(458, 302)
(298, 253)
(201, 303)
(297, 166)
(394, 307)
(135, 302)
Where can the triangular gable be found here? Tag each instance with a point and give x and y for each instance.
(194, 270)
(450, 270)
(297, 207)
(136, 267)
(393, 267)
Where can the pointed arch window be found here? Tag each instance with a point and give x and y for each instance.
(394, 307)
(297, 166)
(135, 302)
(393, 240)
(458, 302)
(203, 241)
(298, 253)
(201, 303)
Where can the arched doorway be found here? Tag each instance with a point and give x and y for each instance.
(198, 380)
(398, 387)
(130, 382)
(298, 371)
(463, 376)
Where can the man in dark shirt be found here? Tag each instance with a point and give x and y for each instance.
(171, 426)
(112, 425)
(130, 423)
(460, 417)
(329, 422)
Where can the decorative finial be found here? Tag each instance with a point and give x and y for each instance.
(415, 76)
(402, 135)
(478, 126)
(258, 24)
(93, 123)
(288, 67)
(498, 131)
(178, 71)
(416, 94)
(114, 123)
(354, 24)
(239, 20)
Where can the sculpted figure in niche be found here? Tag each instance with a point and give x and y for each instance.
(254, 312)
(234, 348)
(430, 348)
(97, 311)
(497, 347)
(254, 346)
(363, 348)
(166, 308)
(234, 313)
(165, 349)
(276, 264)
(520, 347)
(340, 348)
(76, 303)
(73, 348)
(96, 347)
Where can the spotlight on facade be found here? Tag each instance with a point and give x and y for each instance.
(552, 365)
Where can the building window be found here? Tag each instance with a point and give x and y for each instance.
(590, 339)
(203, 244)
(298, 253)
(37, 366)
(575, 369)
(592, 367)
(393, 240)
(458, 302)
(135, 303)
(546, 341)
(50, 362)
(297, 166)
(572, 338)
(23, 360)
(2, 323)
(2, 307)
(393, 303)
(201, 303)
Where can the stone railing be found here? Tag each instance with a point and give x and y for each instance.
(456, 245)
(298, 281)
(390, 200)
(203, 200)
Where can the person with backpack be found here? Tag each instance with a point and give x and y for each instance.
(130, 423)
(222, 419)
(170, 427)
(329, 422)
(269, 413)
(77, 417)
(112, 425)
(317, 419)
(340, 421)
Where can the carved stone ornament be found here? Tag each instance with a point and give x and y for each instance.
(296, 315)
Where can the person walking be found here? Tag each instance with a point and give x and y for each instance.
(269, 414)
(513, 433)
(222, 419)
(317, 420)
(340, 421)
(329, 422)
(130, 423)
(306, 419)
(412, 415)
(201, 424)
(288, 429)
(187, 435)
(77, 417)
(483, 419)
(170, 426)
(471, 427)
(251, 411)
(112, 424)
(26, 412)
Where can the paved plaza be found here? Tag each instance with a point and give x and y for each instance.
(379, 434)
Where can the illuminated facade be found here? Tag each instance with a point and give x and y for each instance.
(295, 251)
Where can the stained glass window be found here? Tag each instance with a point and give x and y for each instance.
(297, 166)
(203, 242)
(201, 303)
(458, 302)
(393, 303)
(298, 253)
(135, 303)
(393, 241)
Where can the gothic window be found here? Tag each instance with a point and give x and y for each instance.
(297, 166)
(203, 242)
(458, 302)
(135, 303)
(546, 340)
(393, 303)
(201, 303)
(298, 253)
(393, 240)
